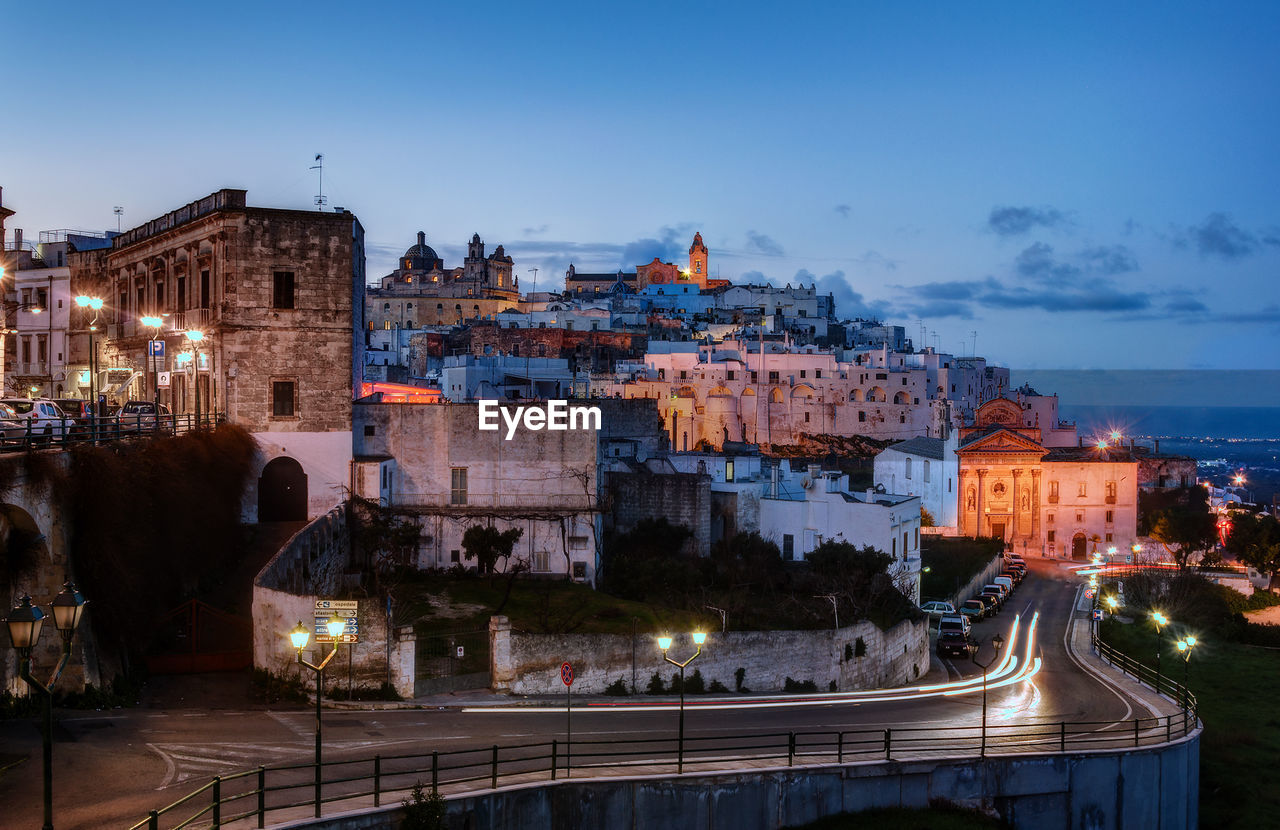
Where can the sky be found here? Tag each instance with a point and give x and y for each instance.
(1063, 186)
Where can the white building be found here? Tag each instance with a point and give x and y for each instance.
(505, 377)
(926, 468)
(799, 511)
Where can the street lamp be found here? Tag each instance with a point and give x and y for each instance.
(1185, 647)
(997, 642)
(95, 304)
(154, 323)
(194, 336)
(24, 623)
(664, 643)
(299, 637)
(1160, 621)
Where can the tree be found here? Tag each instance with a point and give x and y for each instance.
(387, 541)
(1255, 541)
(926, 518)
(486, 544)
(1184, 531)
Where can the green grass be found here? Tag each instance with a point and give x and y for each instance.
(899, 818)
(952, 563)
(535, 605)
(1235, 685)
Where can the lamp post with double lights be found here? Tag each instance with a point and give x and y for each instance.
(997, 642)
(24, 623)
(664, 643)
(1185, 647)
(153, 323)
(194, 337)
(299, 637)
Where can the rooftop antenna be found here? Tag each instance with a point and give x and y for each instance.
(320, 200)
(118, 211)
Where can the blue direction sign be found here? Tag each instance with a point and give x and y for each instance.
(347, 609)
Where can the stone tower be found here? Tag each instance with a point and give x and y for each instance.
(698, 260)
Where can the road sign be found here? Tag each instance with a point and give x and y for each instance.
(566, 674)
(1088, 594)
(348, 609)
(162, 380)
(156, 348)
(461, 652)
(1097, 613)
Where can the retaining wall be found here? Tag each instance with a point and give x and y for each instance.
(974, 586)
(1154, 788)
(529, 664)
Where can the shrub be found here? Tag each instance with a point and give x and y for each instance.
(848, 652)
(717, 688)
(860, 648)
(739, 675)
(268, 687)
(617, 688)
(790, 685)
(831, 687)
(694, 684)
(383, 692)
(656, 686)
(423, 810)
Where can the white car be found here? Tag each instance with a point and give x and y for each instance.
(42, 417)
(937, 608)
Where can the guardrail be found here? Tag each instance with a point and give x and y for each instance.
(1147, 676)
(254, 794)
(69, 432)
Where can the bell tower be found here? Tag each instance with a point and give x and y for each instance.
(698, 261)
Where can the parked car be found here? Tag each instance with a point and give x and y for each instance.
(40, 416)
(973, 609)
(992, 604)
(937, 608)
(11, 427)
(1014, 574)
(954, 644)
(144, 416)
(1004, 582)
(995, 592)
(1014, 560)
(954, 622)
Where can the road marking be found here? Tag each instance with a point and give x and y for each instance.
(286, 721)
(1104, 682)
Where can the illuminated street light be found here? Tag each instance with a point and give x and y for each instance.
(94, 304)
(1115, 435)
(997, 642)
(299, 637)
(194, 336)
(1160, 621)
(24, 623)
(1185, 647)
(154, 323)
(664, 643)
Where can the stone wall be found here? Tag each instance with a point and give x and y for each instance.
(680, 498)
(1154, 788)
(312, 565)
(974, 586)
(529, 664)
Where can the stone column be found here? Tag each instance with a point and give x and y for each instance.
(1035, 509)
(502, 668)
(982, 486)
(1018, 521)
(962, 503)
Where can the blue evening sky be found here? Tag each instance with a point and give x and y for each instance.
(1088, 185)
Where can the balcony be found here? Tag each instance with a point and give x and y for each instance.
(192, 318)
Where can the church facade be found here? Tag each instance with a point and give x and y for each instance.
(1053, 501)
(656, 272)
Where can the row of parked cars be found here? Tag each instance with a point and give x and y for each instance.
(954, 624)
(46, 419)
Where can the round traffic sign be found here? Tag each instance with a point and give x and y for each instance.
(566, 674)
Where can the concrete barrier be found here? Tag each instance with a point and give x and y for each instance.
(1153, 788)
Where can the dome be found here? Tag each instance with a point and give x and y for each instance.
(422, 255)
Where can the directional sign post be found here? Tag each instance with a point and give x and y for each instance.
(347, 609)
(566, 677)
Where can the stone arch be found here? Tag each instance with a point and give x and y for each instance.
(775, 395)
(803, 390)
(686, 392)
(23, 547)
(901, 398)
(282, 491)
(877, 395)
(1079, 545)
(720, 392)
(748, 392)
(856, 396)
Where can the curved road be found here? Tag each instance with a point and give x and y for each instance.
(111, 768)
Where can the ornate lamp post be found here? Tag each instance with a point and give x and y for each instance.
(94, 303)
(194, 336)
(1185, 647)
(664, 643)
(997, 642)
(299, 637)
(24, 623)
(1160, 621)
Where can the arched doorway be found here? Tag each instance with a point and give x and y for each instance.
(282, 492)
(1078, 543)
(22, 548)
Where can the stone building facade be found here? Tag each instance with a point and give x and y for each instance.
(275, 294)
(1065, 501)
(656, 272)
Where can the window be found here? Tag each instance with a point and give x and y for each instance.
(1053, 490)
(817, 373)
(458, 485)
(754, 378)
(455, 556)
(1049, 537)
(862, 417)
(1111, 492)
(908, 469)
(159, 296)
(26, 350)
(1111, 516)
(728, 470)
(369, 430)
(802, 373)
(926, 472)
(788, 547)
(540, 563)
(1083, 489)
(728, 375)
(282, 289)
(773, 377)
(205, 294)
(181, 299)
(1079, 517)
(1048, 518)
(806, 417)
(42, 348)
(1108, 539)
(282, 400)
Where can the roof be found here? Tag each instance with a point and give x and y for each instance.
(583, 277)
(1115, 455)
(926, 447)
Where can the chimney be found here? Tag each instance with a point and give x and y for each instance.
(773, 481)
(17, 239)
(422, 238)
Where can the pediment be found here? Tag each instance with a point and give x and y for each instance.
(1003, 441)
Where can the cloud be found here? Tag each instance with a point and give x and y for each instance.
(849, 303)
(878, 259)
(1268, 314)
(1037, 262)
(760, 243)
(535, 231)
(1013, 221)
(1110, 259)
(1220, 237)
(939, 308)
(1095, 299)
(1185, 305)
(670, 244)
(843, 210)
(754, 278)
(951, 290)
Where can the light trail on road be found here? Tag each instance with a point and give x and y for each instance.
(1010, 670)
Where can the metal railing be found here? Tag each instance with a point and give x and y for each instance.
(70, 432)
(1161, 682)
(252, 795)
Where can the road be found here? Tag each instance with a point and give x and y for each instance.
(112, 767)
